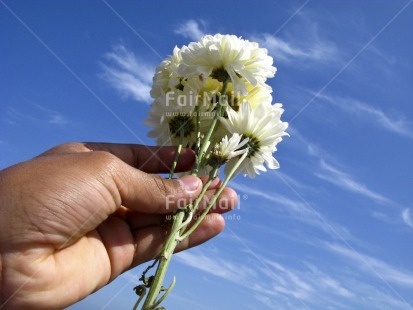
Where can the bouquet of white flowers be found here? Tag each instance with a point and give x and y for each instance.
(212, 97)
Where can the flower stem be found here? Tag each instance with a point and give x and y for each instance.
(168, 249)
(197, 129)
(179, 221)
(202, 194)
(135, 307)
(177, 154)
(164, 261)
(207, 139)
(214, 198)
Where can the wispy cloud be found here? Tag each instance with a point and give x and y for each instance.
(289, 282)
(191, 29)
(407, 218)
(293, 49)
(373, 266)
(304, 286)
(35, 113)
(297, 210)
(307, 146)
(333, 172)
(53, 117)
(267, 301)
(274, 284)
(271, 174)
(307, 283)
(346, 181)
(128, 74)
(216, 266)
(393, 123)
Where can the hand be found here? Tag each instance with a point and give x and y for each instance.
(77, 216)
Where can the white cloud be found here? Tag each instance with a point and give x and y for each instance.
(271, 174)
(190, 29)
(310, 148)
(346, 181)
(407, 219)
(267, 301)
(39, 115)
(305, 286)
(313, 288)
(53, 117)
(273, 282)
(289, 282)
(296, 48)
(216, 266)
(396, 124)
(374, 266)
(331, 173)
(298, 210)
(129, 75)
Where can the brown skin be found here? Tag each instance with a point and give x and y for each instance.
(77, 216)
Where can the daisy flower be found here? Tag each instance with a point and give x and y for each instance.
(264, 129)
(171, 114)
(227, 149)
(167, 77)
(226, 57)
(258, 94)
(166, 74)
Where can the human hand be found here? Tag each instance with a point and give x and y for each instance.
(77, 216)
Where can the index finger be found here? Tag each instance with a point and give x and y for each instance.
(151, 159)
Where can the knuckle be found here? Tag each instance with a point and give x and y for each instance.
(63, 148)
(104, 158)
(163, 188)
(106, 164)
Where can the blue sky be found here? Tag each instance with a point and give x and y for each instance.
(333, 228)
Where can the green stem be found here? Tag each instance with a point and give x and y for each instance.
(177, 154)
(167, 251)
(201, 195)
(166, 293)
(197, 129)
(214, 198)
(207, 138)
(174, 237)
(164, 260)
(135, 307)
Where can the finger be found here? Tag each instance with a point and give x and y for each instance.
(227, 201)
(149, 240)
(216, 183)
(148, 193)
(151, 159)
(118, 241)
(137, 220)
(66, 148)
(211, 226)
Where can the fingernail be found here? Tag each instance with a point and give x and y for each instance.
(190, 183)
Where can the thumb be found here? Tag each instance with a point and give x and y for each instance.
(148, 193)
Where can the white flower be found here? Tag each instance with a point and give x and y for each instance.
(257, 95)
(264, 129)
(166, 76)
(227, 149)
(171, 113)
(227, 56)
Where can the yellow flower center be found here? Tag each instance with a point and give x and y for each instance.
(181, 122)
(253, 144)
